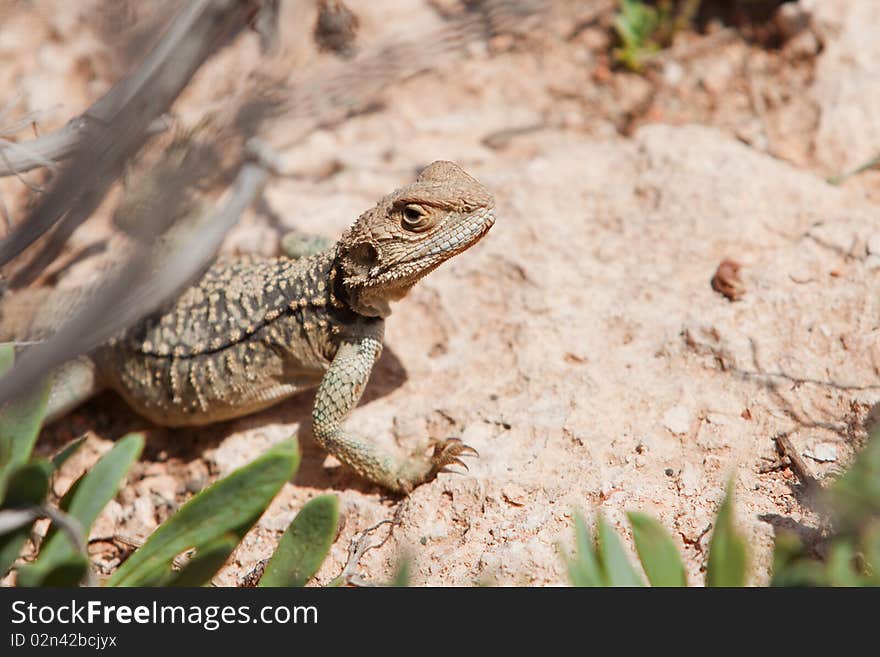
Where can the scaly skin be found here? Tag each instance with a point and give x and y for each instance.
(254, 331)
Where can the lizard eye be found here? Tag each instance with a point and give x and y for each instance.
(416, 218)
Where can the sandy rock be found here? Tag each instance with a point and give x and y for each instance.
(847, 84)
(577, 343)
(677, 419)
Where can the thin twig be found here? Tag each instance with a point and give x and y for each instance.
(142, 286)
(121, 117)
(359, 546)
(46, 151)
(787, 451)
(13, 519)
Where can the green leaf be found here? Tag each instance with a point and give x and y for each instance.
(233, 504)
(840, 564)
(10, 547)
(28, 484)
(90, 494)
(657, 552)
(855, 497)
(20, 422)
(7, 357)
(583, 568)
(727, 551)
(67, 451)
(17, 525)
(304, 545)
(615, 564)
(791, 567)
(205, 564)
(67, 571)
(401, 577)
(871, 552)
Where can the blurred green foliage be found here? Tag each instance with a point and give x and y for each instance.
(212, 523)
(850, 551)
(644, 28)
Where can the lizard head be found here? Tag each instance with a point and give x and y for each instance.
(410, 233)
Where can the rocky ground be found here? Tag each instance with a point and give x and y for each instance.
(580, 347)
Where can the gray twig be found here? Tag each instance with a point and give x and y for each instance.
(18, 157)
(119, 120)
(143, 285)
(13, 519)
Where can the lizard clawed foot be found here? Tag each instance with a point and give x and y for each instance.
(447, 452)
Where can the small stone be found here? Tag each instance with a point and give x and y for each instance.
(689, 481)
(677, 420)
(673, 73)
(718, 419)
(727, 280)
(791, 19)
(514, 494)
(823, 453)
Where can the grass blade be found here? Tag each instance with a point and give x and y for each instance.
(402, 575)
(67, 451)
(583, 568)
(657, 552)
(7, 356)
(233, 504)
(614, 562)
(205, 564)
(90, 494)
(28, 484)
(304, 545)
(68, 570)
(20, 423)
(727, 551)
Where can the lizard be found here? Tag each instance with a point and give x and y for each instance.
(254, 331)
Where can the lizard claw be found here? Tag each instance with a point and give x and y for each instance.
(447, 452)
(454, 444)
(455, 461)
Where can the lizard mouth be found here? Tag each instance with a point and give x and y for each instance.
(395, 277)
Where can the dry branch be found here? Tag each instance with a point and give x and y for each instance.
(142, 285)
(117, 124)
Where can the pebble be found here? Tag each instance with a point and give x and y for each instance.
(673, 73)
(823, 453)
(677, 419)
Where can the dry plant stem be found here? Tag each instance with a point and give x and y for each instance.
(17, 158)
(787, 450)
(128, 109)
(133, 294)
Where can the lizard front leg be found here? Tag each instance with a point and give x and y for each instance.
(339, 393)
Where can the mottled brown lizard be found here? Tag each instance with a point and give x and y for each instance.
(254, 331)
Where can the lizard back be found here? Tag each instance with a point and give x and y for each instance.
(251, 332)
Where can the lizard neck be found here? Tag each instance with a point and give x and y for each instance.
(362, 300)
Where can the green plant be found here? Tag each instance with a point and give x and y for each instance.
(644, 29)
(212, 523)
(851, 542)
(604, 562)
